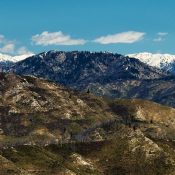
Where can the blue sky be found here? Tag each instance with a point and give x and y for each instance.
(122, 26)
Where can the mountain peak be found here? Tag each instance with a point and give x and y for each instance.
(16, 58)
(162, 61)
(85, 67)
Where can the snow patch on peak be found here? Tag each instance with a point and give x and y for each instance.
(9, 58)
(162, 61)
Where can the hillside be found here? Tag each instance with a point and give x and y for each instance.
(48, 129)
(38, 107)
(161, 90)
(105, 74)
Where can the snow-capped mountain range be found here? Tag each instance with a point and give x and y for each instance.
(9, 58)
(162, 61)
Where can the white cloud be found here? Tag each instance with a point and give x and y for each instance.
(8, 48)
(158, 39)
(23, 51)
(162, 33)
(124, 37)
(160, 36)
(55, 38)
(11, 47)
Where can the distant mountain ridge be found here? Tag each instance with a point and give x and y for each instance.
(162, 61)
(103, 73)
(6, 61)
(71, 68)
(16, 58)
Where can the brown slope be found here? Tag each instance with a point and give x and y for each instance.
(112, 136)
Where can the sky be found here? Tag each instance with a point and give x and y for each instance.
(119, 26)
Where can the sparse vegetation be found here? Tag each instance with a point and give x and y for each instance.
(81, 134)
